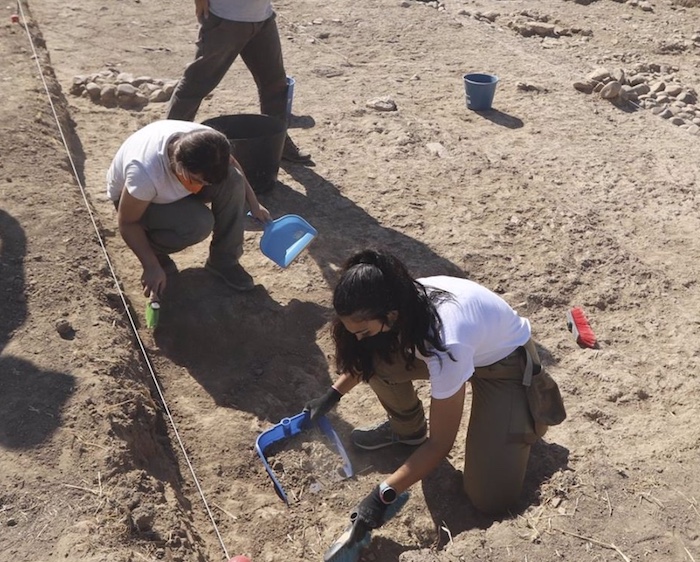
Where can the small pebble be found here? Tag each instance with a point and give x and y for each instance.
(382, 104)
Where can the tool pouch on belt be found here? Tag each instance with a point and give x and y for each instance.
(543, 396)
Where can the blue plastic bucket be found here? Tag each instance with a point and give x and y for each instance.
(480, 89)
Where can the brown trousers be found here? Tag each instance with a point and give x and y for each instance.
(220, 42)
(501, 429)
(172, 227)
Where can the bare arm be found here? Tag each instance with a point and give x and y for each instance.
(129, 216)
(445, 418)
(346, 383)
(201, 9)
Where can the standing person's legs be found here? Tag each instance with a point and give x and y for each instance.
(263, 57)
(499, 436)
(172, 227)
(262, 54)
(219, 43)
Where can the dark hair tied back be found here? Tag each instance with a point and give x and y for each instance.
(373, 284)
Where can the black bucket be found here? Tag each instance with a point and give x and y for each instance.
(257, 142)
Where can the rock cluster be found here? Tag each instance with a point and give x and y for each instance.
(440, 6)
(529, 23)
(648, 86)
(641, 4)
(112, 88)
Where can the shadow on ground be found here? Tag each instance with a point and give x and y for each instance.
(451, 509)
(245, 349)
(248, 351)
(502, 119)
(344, 227)
(32, 398)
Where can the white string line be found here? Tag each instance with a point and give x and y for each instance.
(116, 282)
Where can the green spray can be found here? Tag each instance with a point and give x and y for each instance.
(152, 314)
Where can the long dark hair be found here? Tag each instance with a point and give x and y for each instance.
(372, 284)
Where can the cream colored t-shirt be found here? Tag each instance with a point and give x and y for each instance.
(478, 329)
(141, 164)
(241, 10)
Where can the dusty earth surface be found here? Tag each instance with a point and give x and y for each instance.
(122, 444)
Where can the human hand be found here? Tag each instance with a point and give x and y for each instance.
(322, 405)
(201, 9)
(153, 281)
(260, 214)
(371, 511)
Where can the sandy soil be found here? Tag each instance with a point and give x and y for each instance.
(555, 198)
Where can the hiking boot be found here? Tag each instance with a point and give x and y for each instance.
(381, 435)
(167, 263)
(233, 275)
(291, 153)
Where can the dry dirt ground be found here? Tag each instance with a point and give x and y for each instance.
(555, 198)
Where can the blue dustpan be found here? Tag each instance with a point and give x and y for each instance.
(289, 427)
(284, 238)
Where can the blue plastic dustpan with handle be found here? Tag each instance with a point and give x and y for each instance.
(285, 238)
(289, 427)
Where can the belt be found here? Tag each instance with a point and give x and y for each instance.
(531, 368)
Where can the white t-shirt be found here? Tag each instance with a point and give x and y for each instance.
(142, 166)
(478, 328)
(241, 10)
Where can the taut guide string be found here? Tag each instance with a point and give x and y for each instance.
(139, 342)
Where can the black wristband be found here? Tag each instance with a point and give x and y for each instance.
(333, 395)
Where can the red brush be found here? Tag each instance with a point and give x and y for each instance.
(578, 325)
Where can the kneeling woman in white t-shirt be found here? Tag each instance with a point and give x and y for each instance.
(391, 329)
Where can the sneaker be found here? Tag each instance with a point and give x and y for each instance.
(381, 435)
(233, 275)
(167, 263)
(292, 153)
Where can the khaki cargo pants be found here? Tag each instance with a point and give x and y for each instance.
(500, 432)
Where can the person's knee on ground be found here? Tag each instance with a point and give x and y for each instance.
(493, 490)
(498, 438)
(497, 452)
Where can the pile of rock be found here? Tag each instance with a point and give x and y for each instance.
(529, 23)
(641, 4)
(112, 88)
(648, 86)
